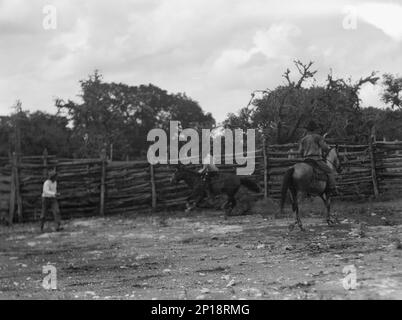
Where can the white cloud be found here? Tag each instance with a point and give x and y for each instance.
(274, 43)
(385, 16)
(218, 51)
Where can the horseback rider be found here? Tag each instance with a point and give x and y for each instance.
(208, 171)
(313, 147)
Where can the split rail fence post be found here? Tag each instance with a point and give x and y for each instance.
(12, 193)
(103, 182)
(373, 164)
(45, 163)
(45, 166)
(153, 186)
(266, 169)
(16, 163)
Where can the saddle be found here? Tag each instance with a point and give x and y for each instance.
(320, 171)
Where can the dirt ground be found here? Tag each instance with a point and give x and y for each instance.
(204, 256)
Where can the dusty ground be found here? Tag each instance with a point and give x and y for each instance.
(204, 256)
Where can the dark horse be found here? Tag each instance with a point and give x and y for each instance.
(224, 183)
(301, 178)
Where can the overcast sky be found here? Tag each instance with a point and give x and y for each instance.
(217, 51)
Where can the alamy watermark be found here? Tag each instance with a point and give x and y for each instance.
(49, 21)
(190, 152)
(350, 280)
(351, 17)
(50, 280)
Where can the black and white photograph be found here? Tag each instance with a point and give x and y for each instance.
(200, 155)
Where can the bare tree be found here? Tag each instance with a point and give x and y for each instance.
(341, 85)
(305, 73)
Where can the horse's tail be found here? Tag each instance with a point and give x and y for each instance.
(250, 184)
(287, 182)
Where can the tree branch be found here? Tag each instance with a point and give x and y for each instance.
(305, 72)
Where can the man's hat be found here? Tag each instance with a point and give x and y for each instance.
(52, 174)
(311, 126)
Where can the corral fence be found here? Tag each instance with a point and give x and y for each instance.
(93, 187)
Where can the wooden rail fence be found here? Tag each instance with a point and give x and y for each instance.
(96, 187)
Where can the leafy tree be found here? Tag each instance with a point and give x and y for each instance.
(5, 135)
(41, 130)
(119, 116)
(387, 122)
(30, 133)
(392, 91)
(282, 113)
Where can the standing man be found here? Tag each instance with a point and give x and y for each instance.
(49, 200)
(312, 147)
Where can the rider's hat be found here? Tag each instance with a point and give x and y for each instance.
(52, 174)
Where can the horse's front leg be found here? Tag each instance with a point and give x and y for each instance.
(199, 200)
(190, 205)
(230, 205)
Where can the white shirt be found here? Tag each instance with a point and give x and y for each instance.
(49, 189)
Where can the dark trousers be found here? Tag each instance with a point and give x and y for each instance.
(53, 205)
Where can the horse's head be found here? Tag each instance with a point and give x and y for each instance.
(179, 174)
(176, 176)
(333, 160)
